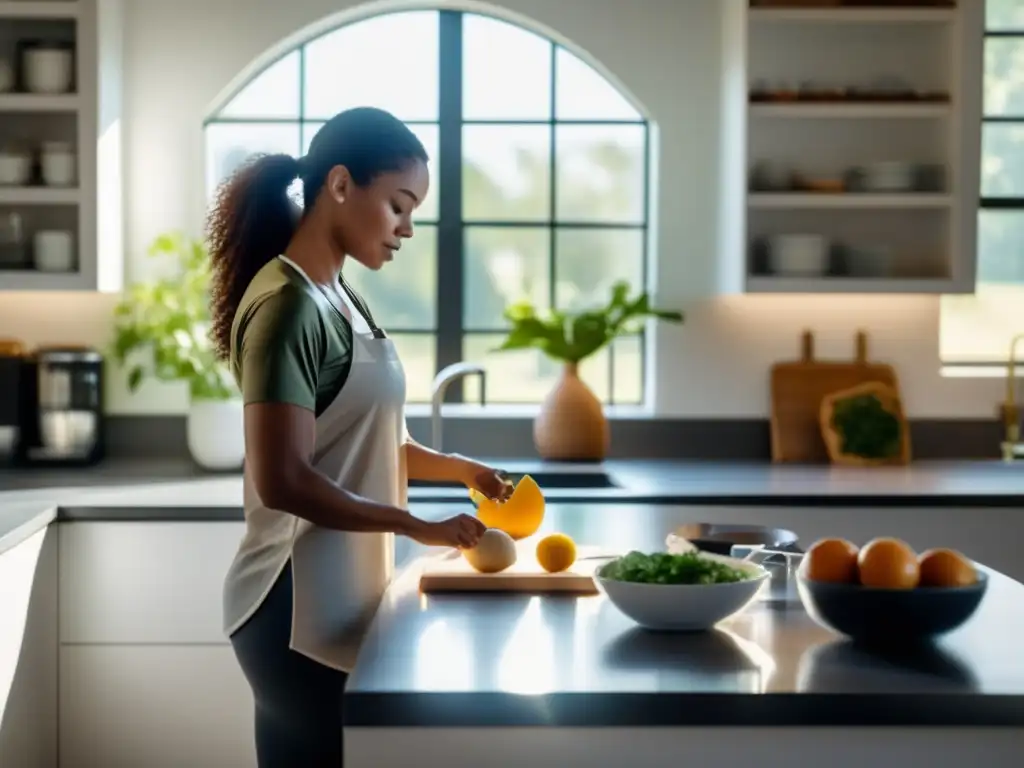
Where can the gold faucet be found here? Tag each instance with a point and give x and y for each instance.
(1011, 411)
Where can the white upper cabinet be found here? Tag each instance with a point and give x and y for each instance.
(60, 143)
(851, 147)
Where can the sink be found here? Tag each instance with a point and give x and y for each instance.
(545, 479)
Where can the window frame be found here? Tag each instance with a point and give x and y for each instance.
(993, 367)
(450, 228)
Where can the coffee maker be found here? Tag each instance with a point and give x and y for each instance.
(12, 353)
(60, 407)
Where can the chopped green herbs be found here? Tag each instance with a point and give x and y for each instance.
(667, 568)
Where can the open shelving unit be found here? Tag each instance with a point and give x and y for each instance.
(87, 118)
(892, 13)
(851, 111)
(858, 127)
(40, 9)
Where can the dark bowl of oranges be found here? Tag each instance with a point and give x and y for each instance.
(884, 593)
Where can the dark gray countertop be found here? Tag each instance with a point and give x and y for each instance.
(177, 490)
(654, 481)
(510, 660)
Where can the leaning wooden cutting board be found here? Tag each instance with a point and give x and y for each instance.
(798, 388)
(451, 573)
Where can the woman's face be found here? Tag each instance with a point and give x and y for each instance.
(371, 222)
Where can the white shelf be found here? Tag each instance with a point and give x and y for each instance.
(39, 9)
(39, 196)
(854, 15)
(854, 200)
(851, 111)
(33, 280)
(39, 102)
(770, 284)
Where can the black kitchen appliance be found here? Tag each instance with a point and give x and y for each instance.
(11, 366)
(61, 407)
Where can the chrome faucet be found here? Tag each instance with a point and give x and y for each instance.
(1012, 448)
(441, 383)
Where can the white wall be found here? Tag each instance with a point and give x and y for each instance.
(179, 56)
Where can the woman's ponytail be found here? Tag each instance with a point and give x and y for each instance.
(251, 222)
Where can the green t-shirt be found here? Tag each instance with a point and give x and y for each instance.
(284, 349)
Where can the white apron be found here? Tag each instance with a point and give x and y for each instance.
(338, 577)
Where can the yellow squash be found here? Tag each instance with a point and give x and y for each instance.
(520, 516)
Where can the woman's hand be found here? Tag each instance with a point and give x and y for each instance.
(463, 531)
(489, 481)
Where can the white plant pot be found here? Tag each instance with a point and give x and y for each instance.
(216, 437)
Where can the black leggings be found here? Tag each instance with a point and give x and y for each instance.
(298, 701)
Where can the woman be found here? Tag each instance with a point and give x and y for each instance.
(327, 451)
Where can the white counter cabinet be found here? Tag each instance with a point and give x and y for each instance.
(147, 677)
(144, 582)
(28, 652)
(158, 706)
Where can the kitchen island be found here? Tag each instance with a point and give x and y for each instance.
(507, 679)
(117, 575)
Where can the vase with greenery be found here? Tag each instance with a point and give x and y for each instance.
(571, 425)
(161, 332)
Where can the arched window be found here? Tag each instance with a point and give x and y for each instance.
(539, 184)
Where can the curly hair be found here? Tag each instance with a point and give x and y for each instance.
(252, 219)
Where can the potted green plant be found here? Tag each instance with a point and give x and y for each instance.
(161, 331)
(571, 424)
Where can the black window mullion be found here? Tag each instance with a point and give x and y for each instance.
(1002, 203)
(552, 182)
(450, 240)
(302, 101)
(645, 262)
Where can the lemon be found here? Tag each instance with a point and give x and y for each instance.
(476, 497)
(556, 552)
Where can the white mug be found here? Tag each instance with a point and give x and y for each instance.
(15, 168)
(57, 162)
(48, 70)
(6, 76)
(53, 251)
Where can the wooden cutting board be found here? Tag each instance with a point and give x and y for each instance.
(798, 388)
(451, 573)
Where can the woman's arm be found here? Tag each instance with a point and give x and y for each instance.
(279, 440)
(282, 346)
(424, 463)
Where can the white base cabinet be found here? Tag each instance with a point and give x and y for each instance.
(28, 653)
(158, 706)
(147, 677)
(144, 582)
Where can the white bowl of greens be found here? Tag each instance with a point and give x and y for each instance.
(684, 592)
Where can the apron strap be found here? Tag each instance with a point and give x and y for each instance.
(321, 298)
(363, 308)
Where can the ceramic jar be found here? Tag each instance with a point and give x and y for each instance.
(15, 166)
(47, 67)
(57, 164)
(53, 251)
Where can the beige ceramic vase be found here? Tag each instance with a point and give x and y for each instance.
(571, 425)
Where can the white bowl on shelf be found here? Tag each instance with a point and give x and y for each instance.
(685, 607)
(798, 255)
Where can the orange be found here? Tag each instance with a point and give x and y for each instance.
(946, 568)
(556, 552)
(887, 563)
(833, 560)
(521, 515)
